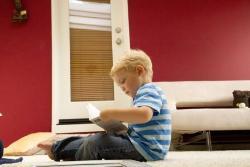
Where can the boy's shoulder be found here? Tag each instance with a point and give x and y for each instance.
(149, 86)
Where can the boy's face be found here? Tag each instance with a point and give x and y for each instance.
(128, 81)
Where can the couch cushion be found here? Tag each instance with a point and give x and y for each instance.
(211, 119)
(202, 93)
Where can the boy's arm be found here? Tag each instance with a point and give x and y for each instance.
(130, 115)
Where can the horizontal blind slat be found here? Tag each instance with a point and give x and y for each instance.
(91, 61)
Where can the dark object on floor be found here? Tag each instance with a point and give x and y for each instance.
(1, 149)
(7, 160)
(10, 161)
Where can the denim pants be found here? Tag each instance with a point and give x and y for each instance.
(95, 147)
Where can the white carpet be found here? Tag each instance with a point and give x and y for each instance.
(239, 158)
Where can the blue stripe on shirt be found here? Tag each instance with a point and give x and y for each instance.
(152, 139)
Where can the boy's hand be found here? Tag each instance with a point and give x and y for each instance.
(105, 115)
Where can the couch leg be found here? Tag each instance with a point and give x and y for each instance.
(209, 142)
(200, 136)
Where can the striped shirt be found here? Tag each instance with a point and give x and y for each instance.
(152, 139)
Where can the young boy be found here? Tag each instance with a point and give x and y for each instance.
(149, 134)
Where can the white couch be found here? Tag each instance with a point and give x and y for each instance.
(205, 105)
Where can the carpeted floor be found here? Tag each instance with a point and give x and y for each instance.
(240, 158)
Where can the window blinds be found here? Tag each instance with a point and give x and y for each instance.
(90, 51)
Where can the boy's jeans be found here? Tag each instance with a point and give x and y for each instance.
(95, 147)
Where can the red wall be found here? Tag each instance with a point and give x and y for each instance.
(186, 39)
(193, 39)
(25, 70)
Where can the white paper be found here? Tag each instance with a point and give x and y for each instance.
(110, 126)
(94, 163)
(93, 111)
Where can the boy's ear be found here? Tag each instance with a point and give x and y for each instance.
(140, 69)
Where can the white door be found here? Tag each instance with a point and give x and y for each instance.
(71, 116)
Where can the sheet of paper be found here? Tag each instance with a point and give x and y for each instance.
(112, 126)
(93, 111)
(95, 163)
(91, 163)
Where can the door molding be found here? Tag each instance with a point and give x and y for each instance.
(62, 107)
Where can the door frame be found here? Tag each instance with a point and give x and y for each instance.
(62, 107)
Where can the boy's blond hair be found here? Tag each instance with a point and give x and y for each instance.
(129, 62)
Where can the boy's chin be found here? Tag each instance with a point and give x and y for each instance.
(131, 95)
(128, 94)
